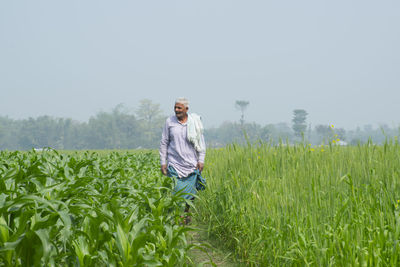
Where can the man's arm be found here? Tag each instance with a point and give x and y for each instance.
(164, 148)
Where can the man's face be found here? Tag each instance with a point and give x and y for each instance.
(180, 111)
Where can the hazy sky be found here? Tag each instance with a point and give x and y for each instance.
(339, 60)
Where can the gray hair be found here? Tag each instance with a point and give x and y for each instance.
(183, 101)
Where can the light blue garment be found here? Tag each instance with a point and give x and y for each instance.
(190, 184)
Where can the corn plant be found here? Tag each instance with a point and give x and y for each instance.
(86, 209)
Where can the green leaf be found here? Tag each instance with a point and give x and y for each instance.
(4, 230)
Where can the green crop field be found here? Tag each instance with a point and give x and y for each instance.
(304, 206)
(86, 209)
(268, 205)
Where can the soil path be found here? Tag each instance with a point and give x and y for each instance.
(219, 256)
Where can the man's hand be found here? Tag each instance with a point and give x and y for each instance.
(200, 166)
(164, 169)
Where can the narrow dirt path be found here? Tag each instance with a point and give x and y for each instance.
(200, 257)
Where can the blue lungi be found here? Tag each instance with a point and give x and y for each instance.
(189, 184)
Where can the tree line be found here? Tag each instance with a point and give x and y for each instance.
(117, 129)
(122, 129)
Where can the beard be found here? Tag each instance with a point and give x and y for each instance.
(179, 115)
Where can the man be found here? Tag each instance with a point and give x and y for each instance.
(179, 157)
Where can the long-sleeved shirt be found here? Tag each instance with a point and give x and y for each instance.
(176, 150)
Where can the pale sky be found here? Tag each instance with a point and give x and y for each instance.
(338, 60)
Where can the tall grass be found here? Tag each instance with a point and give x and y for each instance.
(304, 206)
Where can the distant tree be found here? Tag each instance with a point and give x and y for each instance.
(110, 130)
(149, 111)
(340, 133)
(8, 133)
(27, 136)
(309, 132)
(325, 133)
(241, 105)
(266, 133)
(151, 121)
(226, 133)
(299, 122)
(232, 132)
(283, 132)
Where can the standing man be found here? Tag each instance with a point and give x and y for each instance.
(182, 149)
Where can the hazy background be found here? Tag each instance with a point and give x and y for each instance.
(338, 60)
